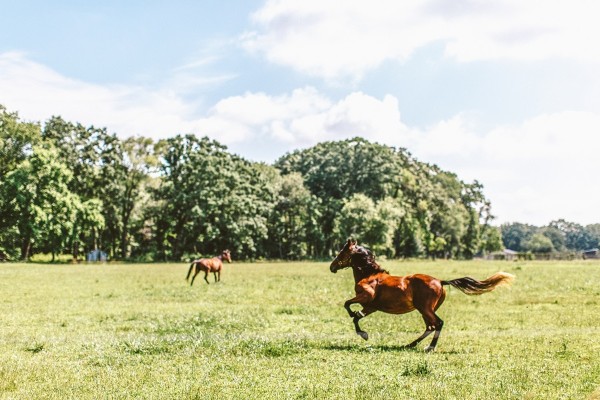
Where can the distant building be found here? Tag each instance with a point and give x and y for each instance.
(506, 254)
(510, 255)
(96, 255)
(591, 254)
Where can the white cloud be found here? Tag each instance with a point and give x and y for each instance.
(304, 118)
(336, 42)
(38, 92)
(539, 170)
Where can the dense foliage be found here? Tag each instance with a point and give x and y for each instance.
(68, 189)
(559, 236)
(394, 203)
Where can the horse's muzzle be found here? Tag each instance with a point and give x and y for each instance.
(334, 267)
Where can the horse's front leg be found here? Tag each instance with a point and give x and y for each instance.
(358, 316)
(215, 275)
(364, 295)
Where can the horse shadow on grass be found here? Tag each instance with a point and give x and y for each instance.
(384, 348)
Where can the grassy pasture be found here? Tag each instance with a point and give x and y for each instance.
(278, 330)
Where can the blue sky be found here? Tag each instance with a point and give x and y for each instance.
(505, 92)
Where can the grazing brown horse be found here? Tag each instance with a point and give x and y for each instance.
(207, 265)
(377, 290)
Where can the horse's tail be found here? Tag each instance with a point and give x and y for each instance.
(190, 270)
(472, 286)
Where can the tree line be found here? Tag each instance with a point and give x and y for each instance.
(67, 189)
(557, 236)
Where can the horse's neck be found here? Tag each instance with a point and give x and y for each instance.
(362, 273)
(368, 269)
(218, 261)
(358, 275)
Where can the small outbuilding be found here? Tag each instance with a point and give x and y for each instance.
(96, 255)
(591, 254)
(510, 255)
(506, 254)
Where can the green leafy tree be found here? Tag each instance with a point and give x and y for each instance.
(433, 203)
(576, 236)
(209, 199)
(491, 240)
(389, 215)
(292, 222)
(373, 223)
(593, 231)
(556, 236)
(89, 222)
(538, 243)
(355, 219)
(334, 171)
(79, 148)
(515, 235)
(408, 238)
(40, 203)
(17, 139)
(95, 159)
(127, 166)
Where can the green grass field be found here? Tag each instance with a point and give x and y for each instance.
(278, 330)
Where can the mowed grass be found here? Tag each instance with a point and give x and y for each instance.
(279, 330)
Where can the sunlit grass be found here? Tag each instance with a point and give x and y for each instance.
(279, 331)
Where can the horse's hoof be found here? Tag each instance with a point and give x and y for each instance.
(429, 349)
(363, 335)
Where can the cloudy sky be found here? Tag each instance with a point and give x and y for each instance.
(506, 92)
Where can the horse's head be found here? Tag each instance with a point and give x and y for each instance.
(226, 254)
(344, 257)
(355, 256)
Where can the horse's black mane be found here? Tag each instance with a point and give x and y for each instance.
(364, 259)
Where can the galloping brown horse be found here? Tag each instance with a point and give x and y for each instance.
(377, 290)
(207, 265)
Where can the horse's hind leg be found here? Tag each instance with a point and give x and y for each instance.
(418, 340)
(205, 276)
(215, 275)
(189, 271)
(438, 329)
(194, 277)
(433, 323)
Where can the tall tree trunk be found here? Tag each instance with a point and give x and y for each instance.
(75, 250)
(25, 249)
(124, 241)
